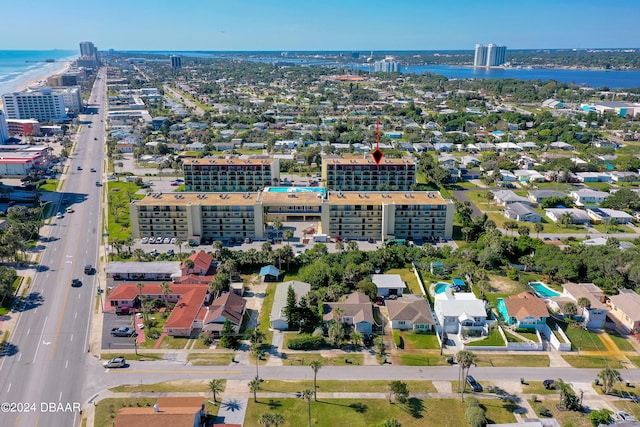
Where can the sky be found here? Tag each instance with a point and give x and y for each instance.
(289, 25)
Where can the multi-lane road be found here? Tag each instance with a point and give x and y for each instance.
(43, 377)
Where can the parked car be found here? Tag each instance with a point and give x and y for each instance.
(59, 215)
(549, 384)
(623, 416)
(173, 240)
(170, 252)
(69, 210)
(76, 283)
(144, 240)
(116, 362)
(93, 169)
(79, 168)
(166, 241)
(98, 184)
(475, 386)
(122, 331)
(151, 240)
(122, 310)
(175, 184)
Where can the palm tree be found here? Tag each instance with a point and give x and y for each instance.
(254, 387)
(584, 303)
(277, 225)
(257, 352)
(166, 290)
(216, 386)
(266, 247)
(179, 244)
(356, 340)
(278, 419)
(538, 227)
(128, 242)
(465, 360)
(266, 419)
(288, 235)
(566, 219)
(188, 264)
(315, 365)
(339, 246)
(609, 378)
(306, 394)
(352, 246)
(570, 309)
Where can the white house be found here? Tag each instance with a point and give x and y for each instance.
(521, 212)
(388, 284)
(578, 215)
(278, 318)
(508, 197)
(586, 195)
(460, 313)
(595, 314)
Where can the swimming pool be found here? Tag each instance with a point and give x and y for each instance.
(322, 190)
(440, 287)
(543, 290)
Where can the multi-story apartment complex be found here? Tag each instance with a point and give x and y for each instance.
(230, 175)
(386, 65)
(489, 55)
(176, 61)
(43, 104)
(88, 49)
(353, 215)
(363, 174)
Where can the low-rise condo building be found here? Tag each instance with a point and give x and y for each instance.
(363, 174)
(233, 174)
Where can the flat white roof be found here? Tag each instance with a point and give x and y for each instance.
(388, 281)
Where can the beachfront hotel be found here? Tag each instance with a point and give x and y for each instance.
(230, 175)
(206, 217)
(43, 104)
(363, 174)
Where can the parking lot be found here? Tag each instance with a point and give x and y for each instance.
(110, 321)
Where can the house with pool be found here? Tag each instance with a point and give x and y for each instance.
(524, 310)
(460, 313)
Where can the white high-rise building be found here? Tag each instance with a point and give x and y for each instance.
(386, 65)
(4, 129)
(88, 49)
(480, 57)
(43, 104)
(490, 55)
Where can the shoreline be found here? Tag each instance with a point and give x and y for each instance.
(37, 79)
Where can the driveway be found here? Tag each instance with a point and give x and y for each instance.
(461, 195)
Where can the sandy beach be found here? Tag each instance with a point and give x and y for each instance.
(34, 78)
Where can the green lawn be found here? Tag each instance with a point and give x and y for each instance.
(528, 335)
(304, 358)
(567, 418)
(613, 228)
(621, 342)
(536, 387)
(216, 359)
(165, 387)
(628, 406)
(265, 322)
(409, 278)
(620, 389)
(420, 341)
(596, 362)
(635, 360)
(118, 199)
(132, 356)
(493, 339)
(506, 360)
(477, 198)
(50, 185)
(584, 340)
(339, 386)
(366, 412)
(511, 337)
(498, 412)
(419, 359)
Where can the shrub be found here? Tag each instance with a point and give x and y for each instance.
(475, 416)
(471, 402)
(542, 411)
(307, 343)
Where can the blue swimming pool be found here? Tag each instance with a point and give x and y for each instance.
(322, 190)
(440, 287)
(544, 291)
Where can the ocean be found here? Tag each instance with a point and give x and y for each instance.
(19, 66)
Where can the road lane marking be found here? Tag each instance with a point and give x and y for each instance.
(71, 339)
(41, 334)
(66, 365)
(28, 331)
(57, 336)
(76, 315)
(19, 356)
(60, 398)
(9, 389)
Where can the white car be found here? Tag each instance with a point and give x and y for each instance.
(152, 239)
(166, 241)
(116, 362)
(173, 241)
(623, 416)
(144, 240)
(59, 215)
